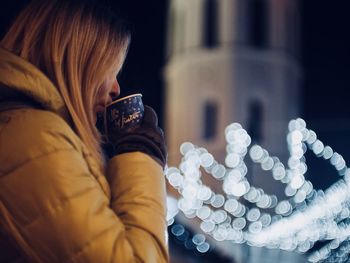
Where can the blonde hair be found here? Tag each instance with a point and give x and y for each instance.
(76, 44)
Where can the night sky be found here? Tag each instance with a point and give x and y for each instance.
(326, 65)
(325, 58)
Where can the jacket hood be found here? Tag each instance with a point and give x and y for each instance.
(21, 79)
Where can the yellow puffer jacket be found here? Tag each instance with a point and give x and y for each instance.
(55, 204)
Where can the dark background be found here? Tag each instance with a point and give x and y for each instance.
(325, 58)
(326, 64)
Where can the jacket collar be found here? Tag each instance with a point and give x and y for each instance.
(20, 79)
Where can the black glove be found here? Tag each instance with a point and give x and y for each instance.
(147, 138)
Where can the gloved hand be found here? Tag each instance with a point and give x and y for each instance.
(148, 138)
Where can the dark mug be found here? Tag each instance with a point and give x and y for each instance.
(124, 114)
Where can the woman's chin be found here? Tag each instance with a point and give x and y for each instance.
(99, 109)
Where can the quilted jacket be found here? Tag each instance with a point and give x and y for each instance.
(55, 203)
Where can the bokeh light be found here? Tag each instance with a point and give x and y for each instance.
(294, 224)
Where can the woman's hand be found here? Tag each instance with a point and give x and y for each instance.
(147, 138)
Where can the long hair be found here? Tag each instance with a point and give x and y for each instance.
(76, 44)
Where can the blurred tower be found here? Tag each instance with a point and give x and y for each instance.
(232, 61)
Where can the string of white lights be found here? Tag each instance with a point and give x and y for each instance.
(304, 217)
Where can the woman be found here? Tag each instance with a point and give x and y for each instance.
(61, 200)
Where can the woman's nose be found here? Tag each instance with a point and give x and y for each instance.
(115, 90)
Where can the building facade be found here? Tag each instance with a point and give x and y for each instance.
(233, 61)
